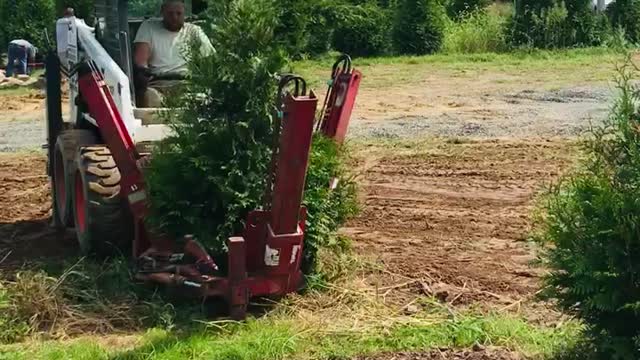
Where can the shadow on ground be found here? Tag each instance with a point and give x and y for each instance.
(33, 241)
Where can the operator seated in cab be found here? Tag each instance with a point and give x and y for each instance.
(160, 50)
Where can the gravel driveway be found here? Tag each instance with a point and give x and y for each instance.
(566, 112)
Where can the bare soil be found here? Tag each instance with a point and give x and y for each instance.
(15, 107)
(448, 355)
(25, 231)
(451, 220)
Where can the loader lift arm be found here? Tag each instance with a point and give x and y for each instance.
(114, 133)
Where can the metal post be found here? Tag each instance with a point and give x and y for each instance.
(293, 158)
(238, 296)
(54, 104)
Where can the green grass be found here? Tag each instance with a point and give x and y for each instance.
(18, 91)
(479, 32)
(283, 338)
(312, 326)
(573, 66)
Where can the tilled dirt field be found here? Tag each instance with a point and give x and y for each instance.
(451, 220)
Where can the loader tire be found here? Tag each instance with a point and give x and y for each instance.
(103, 221)
(64, 168)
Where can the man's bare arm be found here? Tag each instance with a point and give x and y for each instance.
(142, 54)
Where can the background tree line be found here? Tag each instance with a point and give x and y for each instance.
(381, 27)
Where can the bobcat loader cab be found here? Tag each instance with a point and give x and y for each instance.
(105, 50)
(109, 45)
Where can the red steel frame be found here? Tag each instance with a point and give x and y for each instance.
(114, 133)
(265, 260)
(341, 99)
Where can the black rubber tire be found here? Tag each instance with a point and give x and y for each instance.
(64, 167)
(103, 221)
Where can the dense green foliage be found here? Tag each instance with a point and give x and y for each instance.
(313, 28)
(361, 30)
(208, 175)
(590, 226)
(478, 32)
(625, 14)
(419, 26)
(327, 208)
(292, 30)
(320, 27)
(144, 7)
(459, 8)
(557, 24)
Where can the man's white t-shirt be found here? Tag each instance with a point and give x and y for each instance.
(168, 48)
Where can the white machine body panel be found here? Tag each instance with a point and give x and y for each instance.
(76, 42)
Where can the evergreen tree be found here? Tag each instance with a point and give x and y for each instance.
(419, 26)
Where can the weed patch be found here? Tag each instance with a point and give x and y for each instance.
(85, 298)
(478, 32)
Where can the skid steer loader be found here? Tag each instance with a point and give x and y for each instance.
(96, 156)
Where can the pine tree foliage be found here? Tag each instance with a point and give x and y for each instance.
(293, 30)
(591, 231)
(419, 26)
(327, 208)
(362, 30)
(207, 176)
(211, 171)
